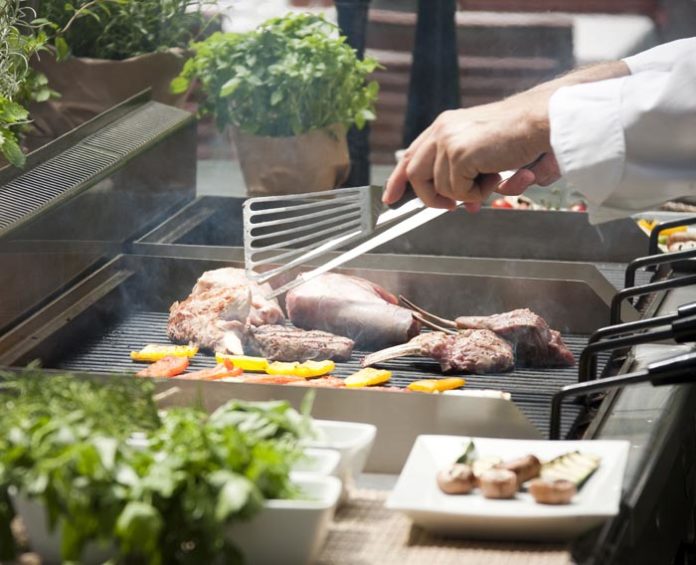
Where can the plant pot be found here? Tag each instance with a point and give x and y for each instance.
(89, 87)
(298, 527)
(316, 160)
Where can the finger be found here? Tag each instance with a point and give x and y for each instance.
(442, 175)
(517, 183)
(546, 170)
(420, 174)
(396, 185)
(487, 184)
(472, 207)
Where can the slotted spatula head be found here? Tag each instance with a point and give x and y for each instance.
(283, 232)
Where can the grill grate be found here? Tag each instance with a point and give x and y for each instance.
(531, 389)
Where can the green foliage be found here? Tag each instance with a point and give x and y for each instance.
(166, 494)
(290, 75)
(19, 84)
(119, 29)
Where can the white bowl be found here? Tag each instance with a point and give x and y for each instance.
(352, 440)
(322, 462)
(290, 531)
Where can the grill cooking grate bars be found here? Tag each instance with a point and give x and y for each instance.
(531, 389)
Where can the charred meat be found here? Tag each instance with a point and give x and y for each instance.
(471, 351)
(535, 343)
(351, 307)
(291, 344)
(215, 314)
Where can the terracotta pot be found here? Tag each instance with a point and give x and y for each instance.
(316, 160)
(90, 86)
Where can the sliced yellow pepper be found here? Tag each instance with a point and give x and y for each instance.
(306, 370)
(436, 385)
(155, 352)
(244, 362)
(367, 377)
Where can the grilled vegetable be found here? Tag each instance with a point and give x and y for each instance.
(155, 352)
(498, 483)
(547, 491)
(306, 370)
(469, 455)
(526, 468)
(244, 362)
(575, 467)
(437, 385)
(166, 367)
(457, 479)
(220, 371)
(368, 377)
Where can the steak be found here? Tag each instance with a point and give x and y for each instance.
(292, 344)
(351, 307)
(536, 345)
(470, 351)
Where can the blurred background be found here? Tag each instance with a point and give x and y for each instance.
(502, 47)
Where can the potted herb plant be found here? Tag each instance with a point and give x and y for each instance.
(19, 84)
(289, 90)
(104, 51)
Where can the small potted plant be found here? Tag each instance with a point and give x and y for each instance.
(19, 84)
(104, 51)
(289, 90)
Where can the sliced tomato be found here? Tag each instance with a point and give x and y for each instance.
(322, 382)
(578, 207)
(166, 367)
(501, 203)
(220, 371)
(272, 379)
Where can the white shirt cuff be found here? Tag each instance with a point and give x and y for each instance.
(587, 138)
(662, 57)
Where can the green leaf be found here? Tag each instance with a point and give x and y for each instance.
(230, 87)
(139, 527)
(179, 85)
(235, 494)
(62, 48)
(276, 97)
(12, 152)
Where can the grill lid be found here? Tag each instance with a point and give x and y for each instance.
(78, 160)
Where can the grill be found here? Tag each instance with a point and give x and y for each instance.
(531, 389)
(97, 239)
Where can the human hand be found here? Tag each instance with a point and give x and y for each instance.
(459, 157)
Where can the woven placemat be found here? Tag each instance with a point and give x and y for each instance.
(364, 532)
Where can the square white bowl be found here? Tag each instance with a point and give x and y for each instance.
(285, 531)
(324, 462)
(473, 516)
(290, 531)
(353, 440)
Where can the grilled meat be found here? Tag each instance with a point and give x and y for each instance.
(261, 309)
(471, 351)
(292, 344)
(219, 307)
(351, 307)
(212, 319)
(536, 345)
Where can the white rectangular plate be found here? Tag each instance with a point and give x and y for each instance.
(473, 516)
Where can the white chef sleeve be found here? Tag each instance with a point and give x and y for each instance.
(629, 144)
(663, 57)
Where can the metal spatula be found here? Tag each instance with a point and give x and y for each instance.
(290, 230)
